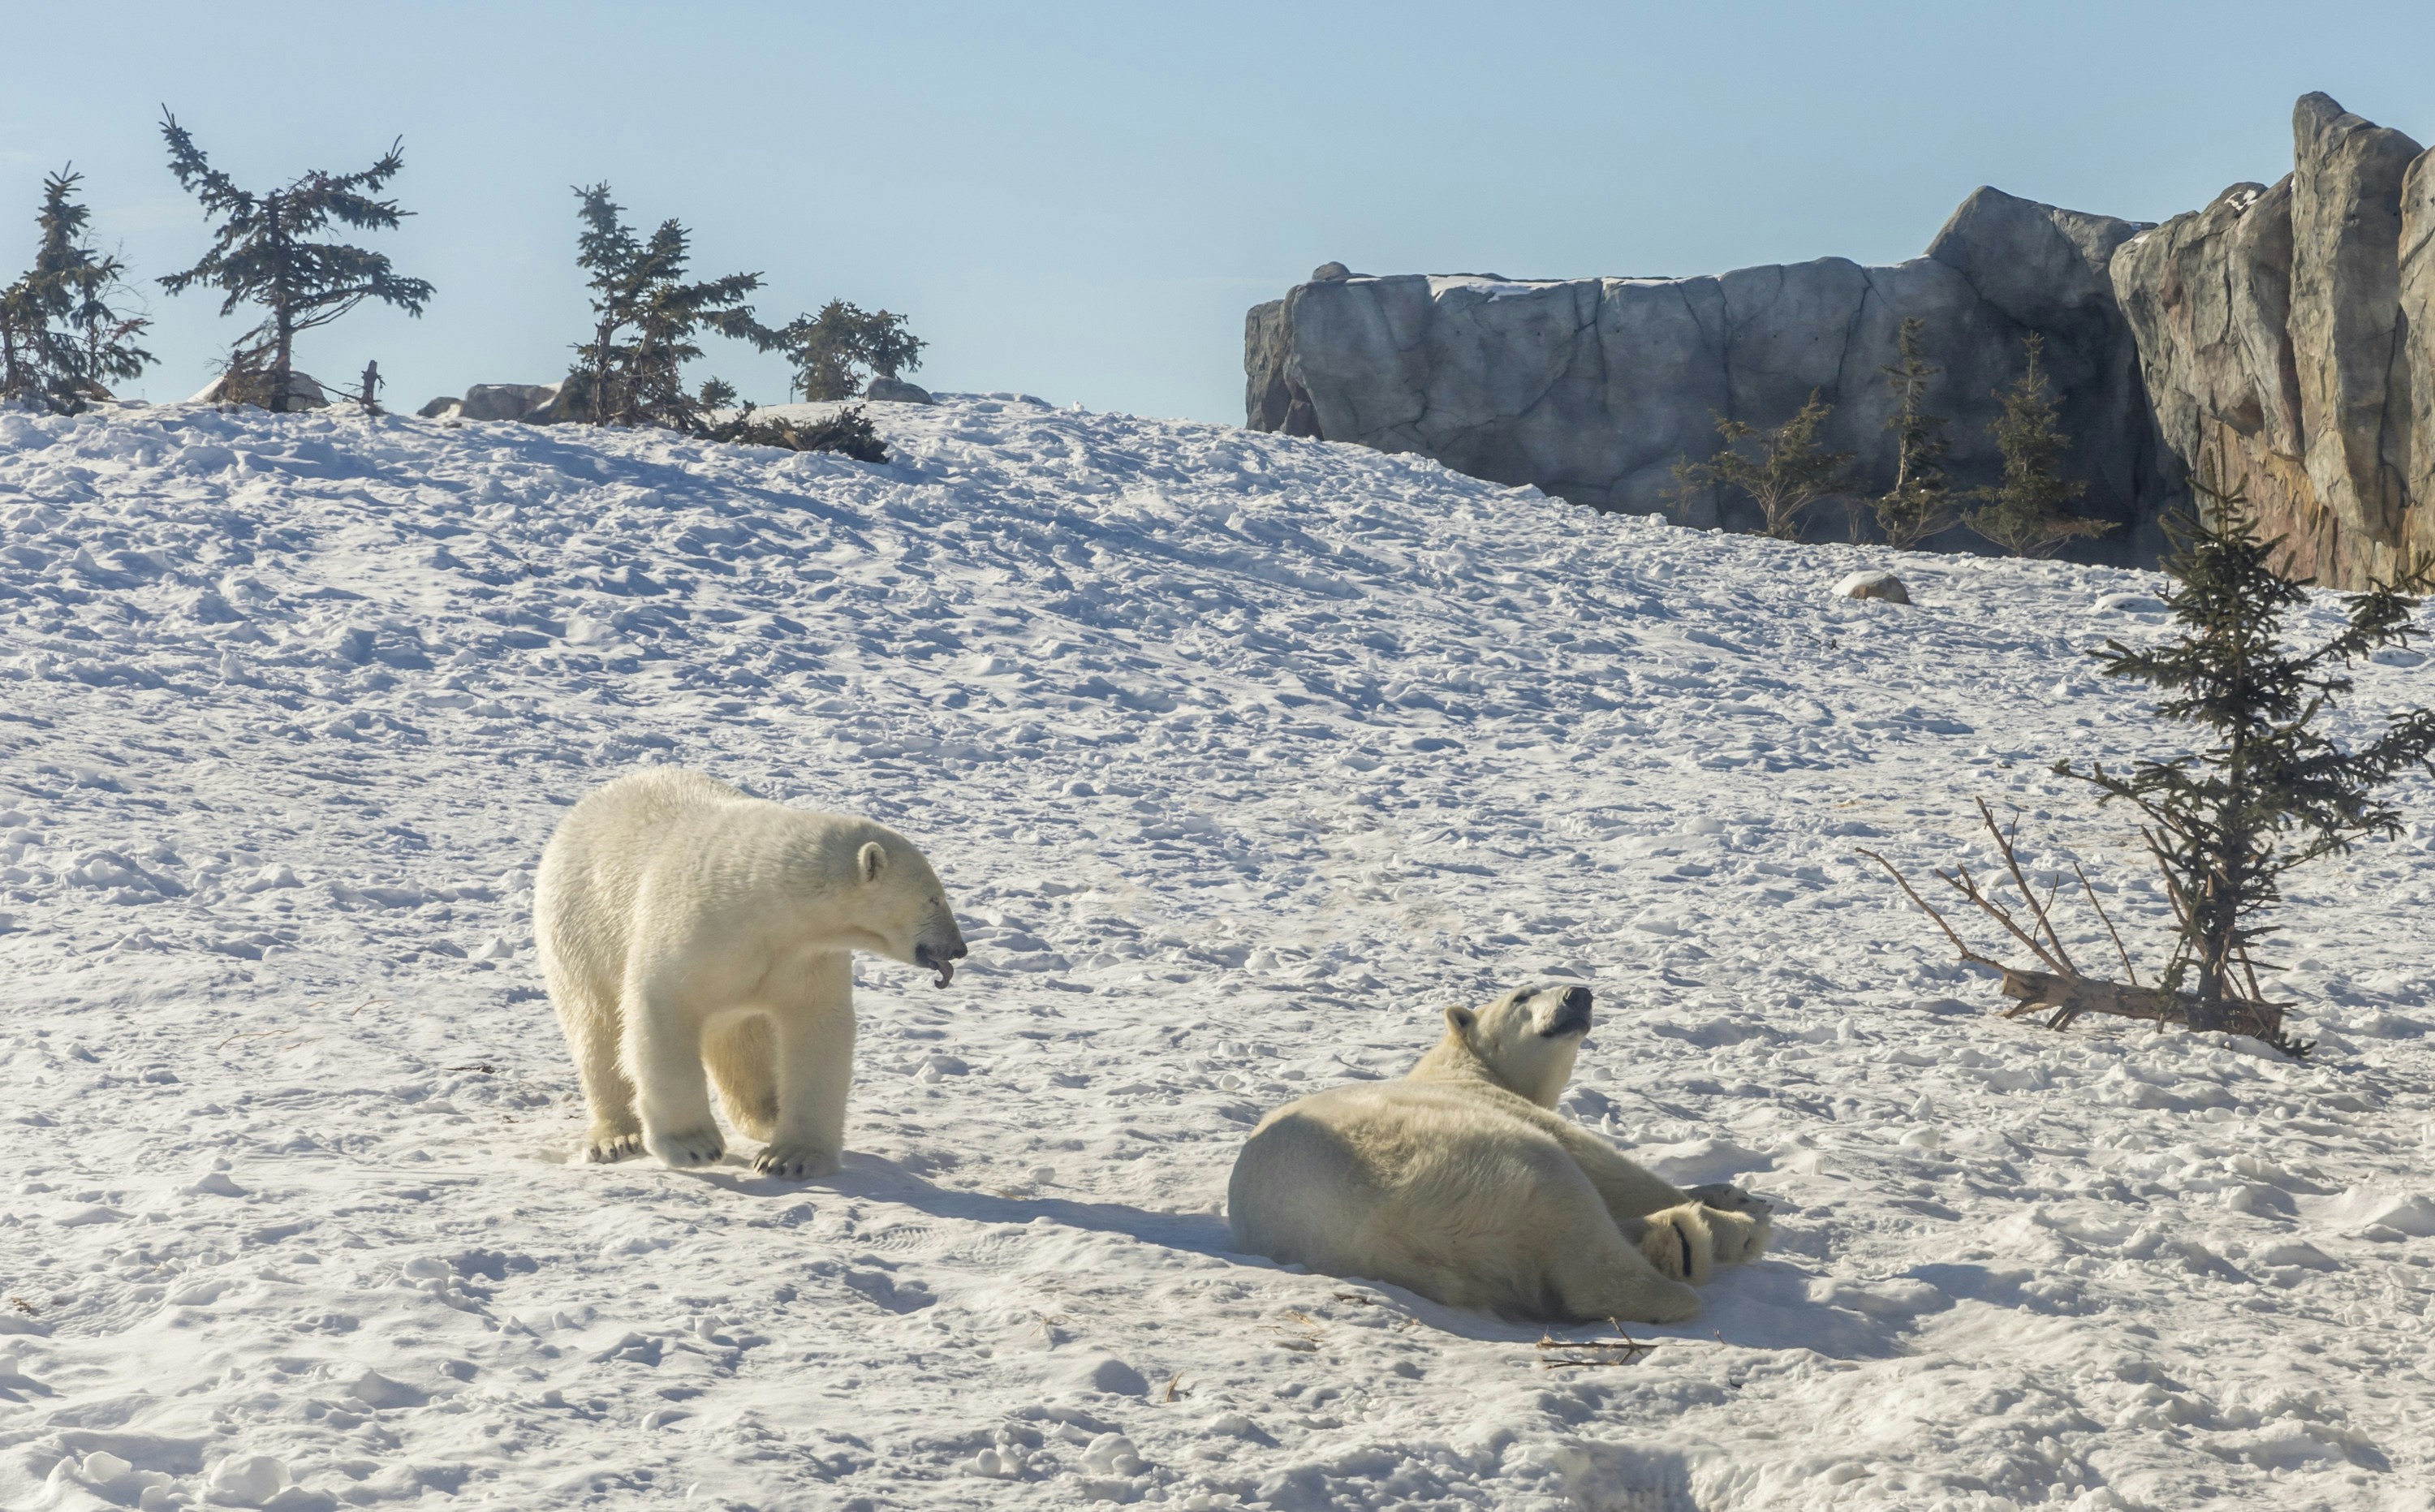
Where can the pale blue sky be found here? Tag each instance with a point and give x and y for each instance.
(1079, 200)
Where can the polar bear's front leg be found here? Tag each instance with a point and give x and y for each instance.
(663, 1055)
(815, 1071)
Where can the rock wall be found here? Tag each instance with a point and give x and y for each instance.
(2287, 335)
(1593, 388)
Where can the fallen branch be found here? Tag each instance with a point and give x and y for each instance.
(2063, 993)
(1570, 1355)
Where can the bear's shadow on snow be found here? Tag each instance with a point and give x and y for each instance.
(1766, 1305)
(885, 1180)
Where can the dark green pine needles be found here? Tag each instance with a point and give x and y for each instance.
(62, 341)
(647, 317)
(2269, 790)
(263, 252)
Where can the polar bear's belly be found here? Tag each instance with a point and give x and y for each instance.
(1411, 1183)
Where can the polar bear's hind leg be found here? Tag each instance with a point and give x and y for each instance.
(739, 1056)
(590, 1026)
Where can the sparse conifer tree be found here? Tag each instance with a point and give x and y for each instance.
(834, 352)
(2025, 513)
(645, 321)
(263, 252)
(2269, 790)
(1784, 472)
(62, 340)
(1919, 505)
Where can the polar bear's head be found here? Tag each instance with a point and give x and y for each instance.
(900, 909)
(1528, 1039)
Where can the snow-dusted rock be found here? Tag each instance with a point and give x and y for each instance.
(1874, 584)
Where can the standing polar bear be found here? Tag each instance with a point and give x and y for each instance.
(683, 924)
(1462, 1183)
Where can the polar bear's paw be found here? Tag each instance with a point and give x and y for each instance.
(607, 1148)
(1726, 1198)
(1736, 1237)
(700, 1146)
(797, 1163)
(1679, 1245)
(1739, 1225)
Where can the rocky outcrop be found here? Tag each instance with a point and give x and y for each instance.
(1594, 388)
(525, 402)
(2283, 335)
(2287, 337)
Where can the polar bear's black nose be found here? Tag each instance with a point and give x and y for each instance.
(1577, 1000)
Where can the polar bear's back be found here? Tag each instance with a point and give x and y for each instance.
(1432, 1186)
(594, 868)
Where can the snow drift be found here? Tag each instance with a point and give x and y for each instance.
(1244, 755)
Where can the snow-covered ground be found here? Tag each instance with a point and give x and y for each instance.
(1241, 756)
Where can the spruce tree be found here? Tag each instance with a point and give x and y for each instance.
(1784, 472)
(2025, 512)
(2269, 790)
(263, 252)
(645, 319)
(62, 342)
(831, 350)
(1919, 505)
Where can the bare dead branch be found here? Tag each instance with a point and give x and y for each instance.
(2128, 970)
(1929, 909)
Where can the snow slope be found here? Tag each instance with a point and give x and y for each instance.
(1242, 756)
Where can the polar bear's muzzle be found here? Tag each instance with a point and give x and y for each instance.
(1572, 1015)
(932, 956)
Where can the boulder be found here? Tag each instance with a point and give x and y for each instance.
(1874, 585)
(442, 408)
(1594, 388)
(2287, 337)
(896, 392)
(304, 392)
(506, 401)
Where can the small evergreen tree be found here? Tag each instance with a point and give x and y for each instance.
(2271, 791)
(1919, 505)
(62, 341)
(831, 350)
(645, 321)
(1784, 472)
(2025, 513)
(263, 252)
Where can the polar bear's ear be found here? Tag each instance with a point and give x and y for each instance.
(872, 860)
(1461, 1019)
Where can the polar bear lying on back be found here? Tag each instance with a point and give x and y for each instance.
(1462, 1183)
(683, 924)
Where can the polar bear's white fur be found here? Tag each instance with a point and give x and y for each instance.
(1462, 1183)
(683, 924)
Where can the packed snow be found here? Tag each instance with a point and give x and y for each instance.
(1242, 757)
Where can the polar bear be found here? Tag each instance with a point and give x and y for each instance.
(683, 924)
(1462, 1183)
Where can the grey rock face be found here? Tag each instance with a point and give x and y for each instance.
(896, 392)
(2345, 306)
(444, 404)
(1593, 388)
(2287, 337)
(2413, 351)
